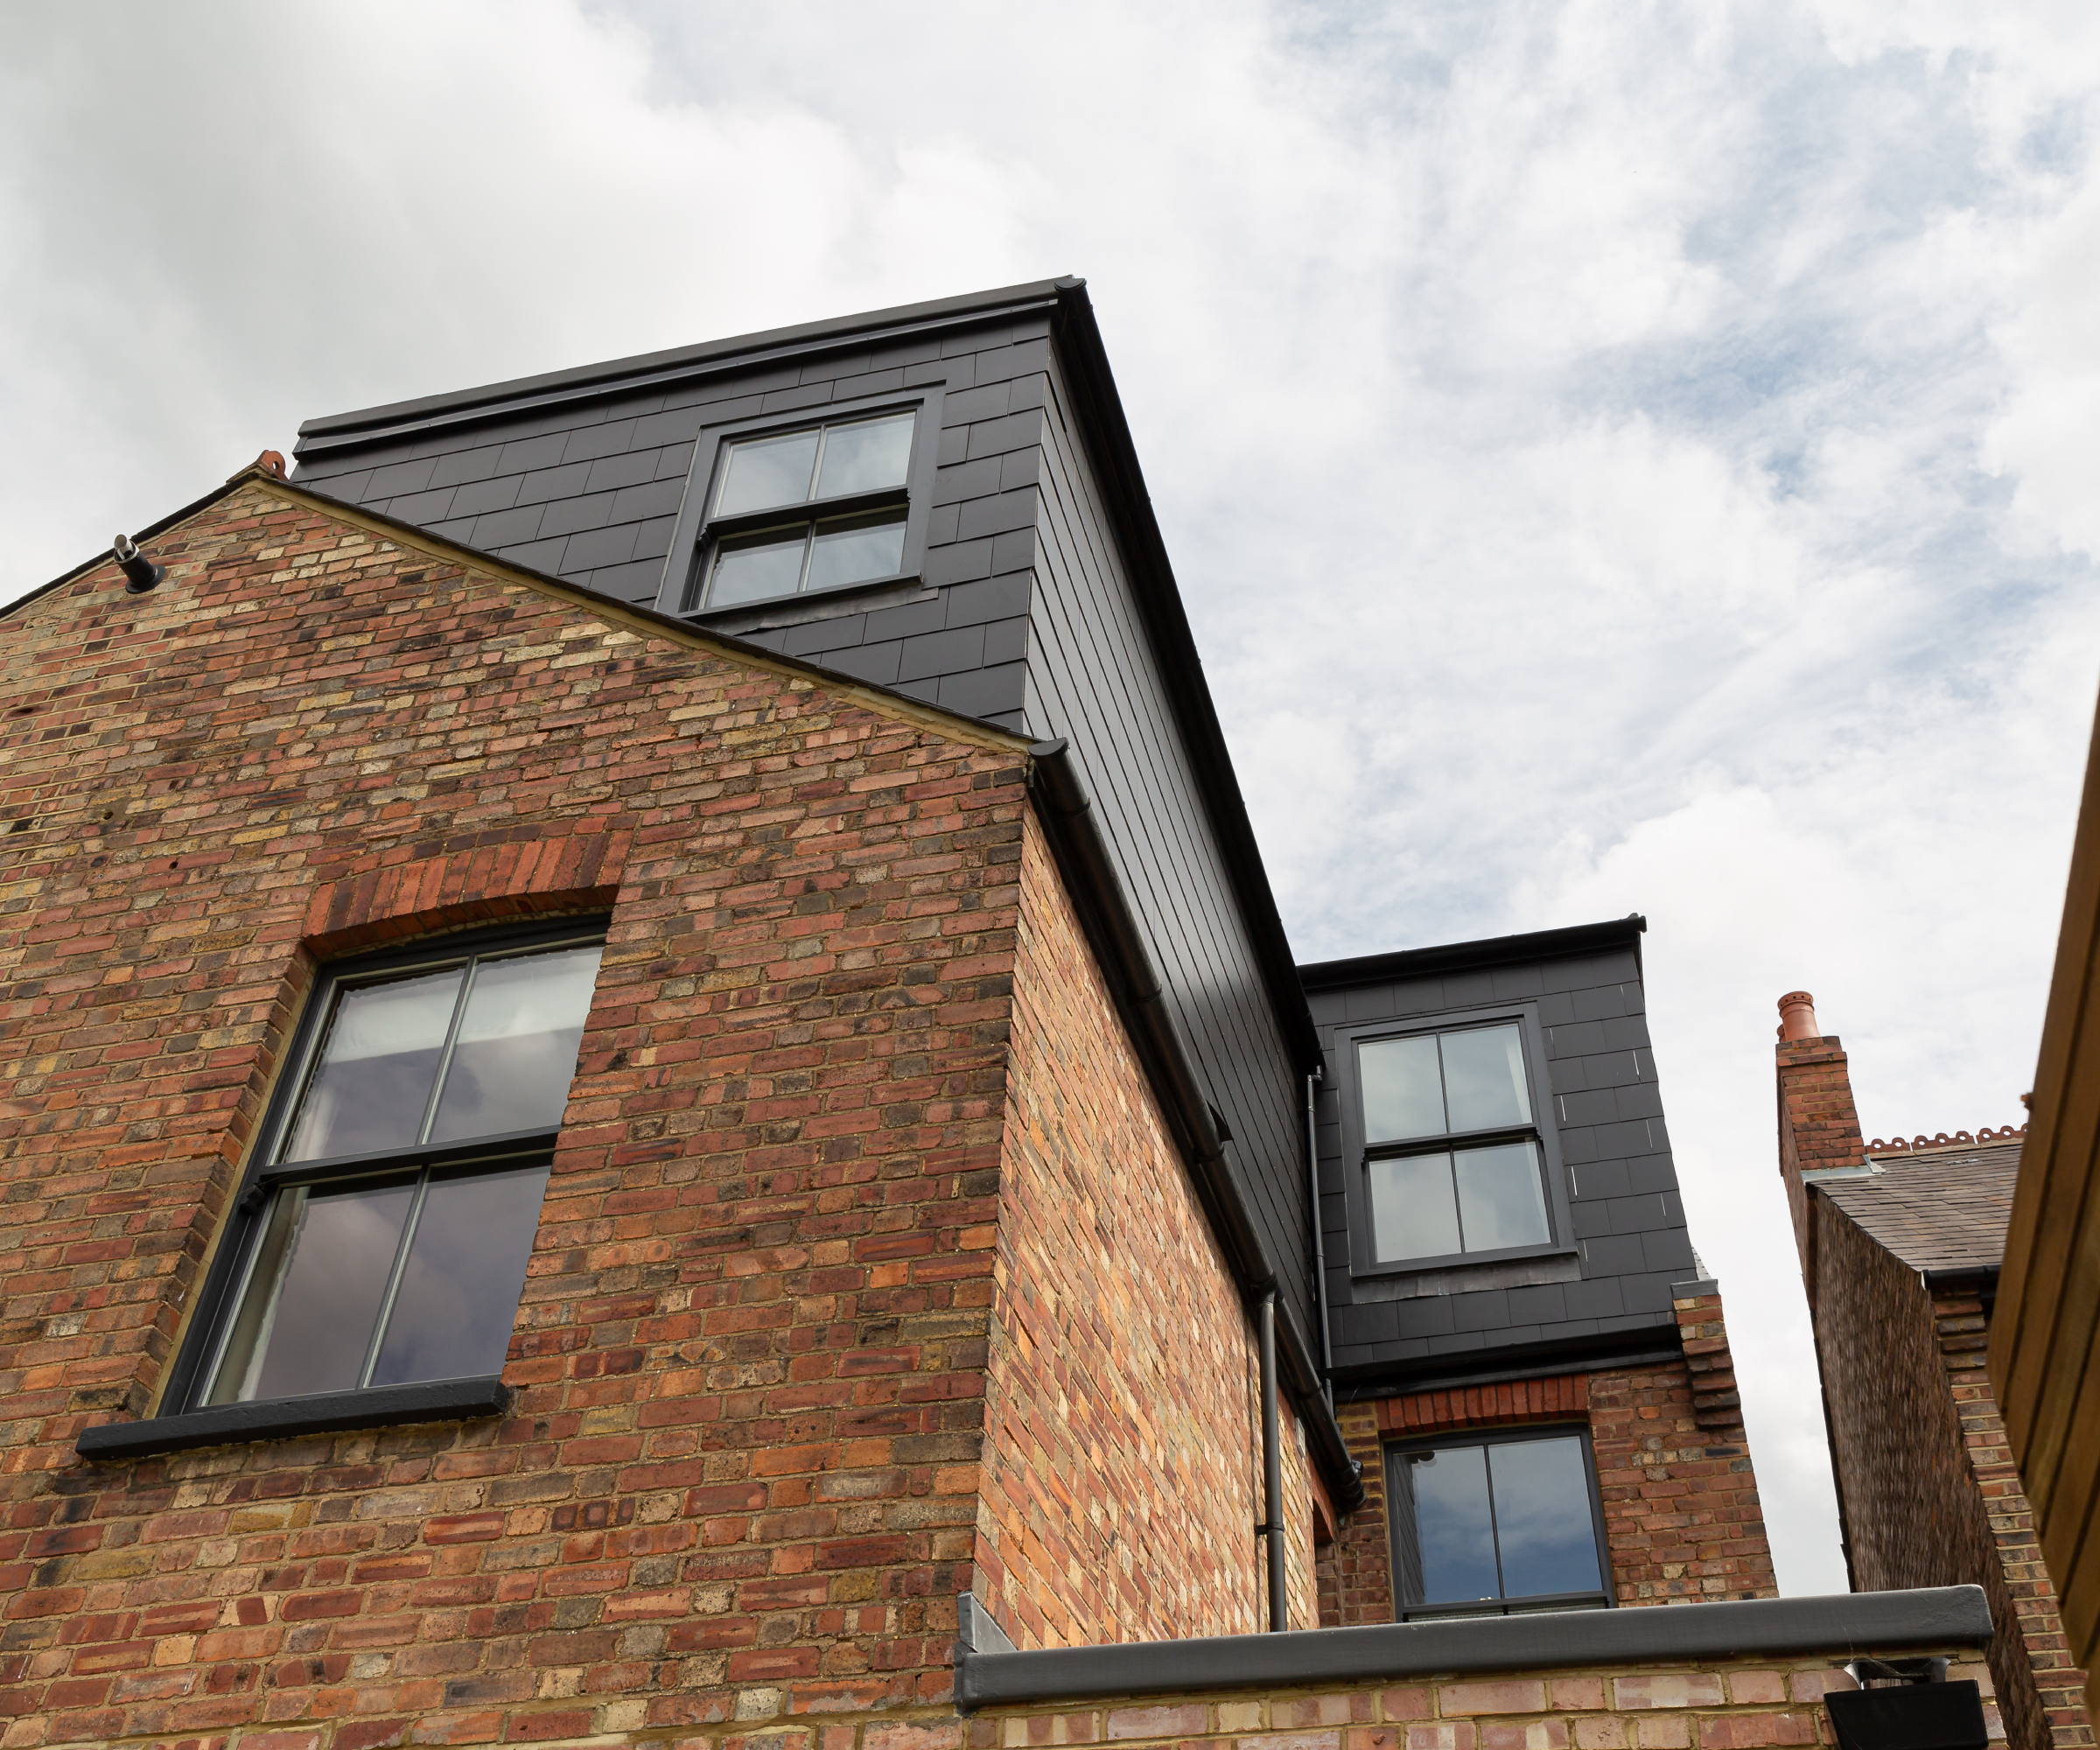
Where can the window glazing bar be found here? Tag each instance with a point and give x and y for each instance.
(444, 1057)
(393, 1288)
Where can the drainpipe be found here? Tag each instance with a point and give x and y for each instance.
(1271, 1527)
(1320, 1240)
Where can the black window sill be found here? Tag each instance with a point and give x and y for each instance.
(285, 1419)
(1429, 1266)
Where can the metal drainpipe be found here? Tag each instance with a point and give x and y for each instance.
(1273, 1473)
(1319, 1240)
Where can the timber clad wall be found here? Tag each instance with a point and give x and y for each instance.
(1123, 1468)
(1929, 1494)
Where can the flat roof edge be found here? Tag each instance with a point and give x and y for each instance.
(393, 417)
(1840, 1625)
(1497, 950)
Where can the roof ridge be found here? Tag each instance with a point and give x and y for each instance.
(1984, 1138)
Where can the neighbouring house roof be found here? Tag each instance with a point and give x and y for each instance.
(1942, 1209)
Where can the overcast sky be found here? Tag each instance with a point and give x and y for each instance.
(1618, 456)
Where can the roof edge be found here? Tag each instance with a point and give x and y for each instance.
(1840, 1625)
(394, 418)
(1498, 950)
(890, 702)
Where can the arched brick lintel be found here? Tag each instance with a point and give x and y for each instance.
(1563, 1399)
(561, 872)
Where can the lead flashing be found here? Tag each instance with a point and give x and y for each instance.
(1841, 1627)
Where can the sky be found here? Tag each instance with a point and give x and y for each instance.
(1618, 455)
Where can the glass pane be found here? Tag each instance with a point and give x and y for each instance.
(764, 472)
(313, 1298)
(515, 1054)
(1452, 1525)
(378, 1062)
(1542, 1518)
(1402, 1097)
(1501, 1200)
(1412, 1213)
(1484, 1079)
(854, 555)
(867, 457)
(757, 568)
(458, 1293)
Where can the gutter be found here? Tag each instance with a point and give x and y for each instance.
(1417, 963)
(1840, 1627)
(1140, 998)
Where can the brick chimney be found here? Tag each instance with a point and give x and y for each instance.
(1818, 1124)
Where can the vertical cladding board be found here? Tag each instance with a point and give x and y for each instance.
(1094, 679)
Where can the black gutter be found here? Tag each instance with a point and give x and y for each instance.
(1654, 1344)
(1173, 645)
(1320, 1239)
(645, 370)
(1839, 1628)
(1978, 1276)
(1417, 963)
(1140, 998)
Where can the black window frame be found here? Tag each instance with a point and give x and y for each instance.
(696, 530)
(1357, 1154)
(1398, 1495)
(183, 1418)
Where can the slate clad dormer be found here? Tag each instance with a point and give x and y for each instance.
(1496, 1187)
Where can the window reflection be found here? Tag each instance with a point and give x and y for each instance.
(1490, 1525)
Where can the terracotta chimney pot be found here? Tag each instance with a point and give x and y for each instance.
(1797, 1017)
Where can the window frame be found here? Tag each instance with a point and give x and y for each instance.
(696, 528)
(219, 1297)
(1356, 1154)
(1605, 1597)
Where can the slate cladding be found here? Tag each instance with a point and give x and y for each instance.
(1936, 1208)
(1611, 1296)
(1044, 604)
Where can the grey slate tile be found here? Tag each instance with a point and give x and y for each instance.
(1667, 1251)
(653, 539)
(987, 400)
(959, 563)
(1613, 1255)
(1015, 431)
(675, 461)
(1006, 641)
(941, 653)
(963, 480)
(1596, 1298)
(345, 488)
(1020, 468)
(1577, 1143)
(635, 582)
(630, 468)
(926, 691)
(1626, 1032)
(459, 467)
(926, 372)
(594, 441)
(803, 395)
(1013, 551)
(508, 528)
(1584, 1107)
(1556, 1008)
(402, 477)
(876, 662)
(867, 384)
(1651, 1172)
(1591, 1218)
(981, 692)
(545, 485)
(839, 633)
(997, 516)
(675, 425)
(521, 456)
(1606, 1178)
(597, 547)
(1576, 1038)
(997, 597)
(955, 445)
(1545, 1304)
(565, 516)
(535, 556)
(425, 507)
(1643, 1100)
(907, 619)
(478, 496)
(941, 523)
(1513, 983)
(656, 498)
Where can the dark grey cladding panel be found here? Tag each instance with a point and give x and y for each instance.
(1623, 1198)
(590, 491)
(1094, 678)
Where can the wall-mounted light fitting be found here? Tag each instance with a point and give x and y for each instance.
(141, 574)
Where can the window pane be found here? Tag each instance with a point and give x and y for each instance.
(372, 1085)
(314, 1295)
(1452, 1525)
(757, 568)
(1484, 1079)
(515, 1054)
(866, 457)
(1542, 1518)
(459, 1294)
(1412, 1213)
(853, 554)
(1501, 1200)
(764, 472)
(1402, 1097)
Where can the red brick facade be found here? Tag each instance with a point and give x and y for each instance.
(1683, 1523)
(1925, 1482)
(1112, 1508)
(743, 1474)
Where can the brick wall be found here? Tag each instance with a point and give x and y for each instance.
(1819, 1123)
(1930, 1495)
(1683, 1521)
(1123, 1468)
(740, 1472)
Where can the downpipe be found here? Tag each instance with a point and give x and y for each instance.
(1271, 1527)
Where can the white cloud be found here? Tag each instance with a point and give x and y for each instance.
(1616, 457)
